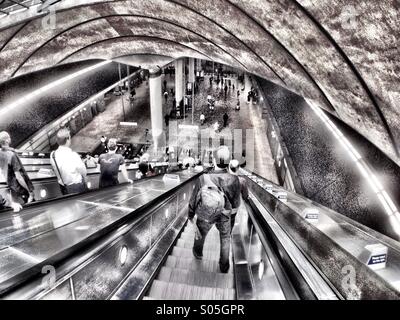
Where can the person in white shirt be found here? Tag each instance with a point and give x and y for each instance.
(199, 167)
(68, 165)
(202, 118)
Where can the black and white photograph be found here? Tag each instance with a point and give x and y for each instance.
(200, 157)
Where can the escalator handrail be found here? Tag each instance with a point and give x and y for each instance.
(67, 196)
(393, 244)
(307, 290)
(68, 254)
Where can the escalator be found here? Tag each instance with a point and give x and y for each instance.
(256, 269)
(183, 277)
(144, 251)
(40, 171)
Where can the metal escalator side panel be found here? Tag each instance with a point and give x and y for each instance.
(317, 284)
(96, 243)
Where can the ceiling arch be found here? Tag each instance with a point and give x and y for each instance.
(132, 39)
(124, 16)
(305, 45)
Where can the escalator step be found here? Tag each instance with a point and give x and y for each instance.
(187, 292)
(187, 253)
(157, 289)
(194, 264)
(214, 241)
(208, 245)
(173, 291)
(165, 274)
(198, 278)
(189, 230)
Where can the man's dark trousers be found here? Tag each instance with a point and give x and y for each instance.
(223, 224)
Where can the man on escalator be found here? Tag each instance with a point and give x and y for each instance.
(68, 165)
(244, 190)
(215, 198)
(110, 163)
(13, 173)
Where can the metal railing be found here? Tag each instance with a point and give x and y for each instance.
(340, 249)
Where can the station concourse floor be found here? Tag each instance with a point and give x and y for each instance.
(248, 117)
(107, 123)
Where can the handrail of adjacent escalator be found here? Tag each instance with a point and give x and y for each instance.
(75, 255)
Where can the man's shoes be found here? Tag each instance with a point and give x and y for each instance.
(197, 256)
(224, 268)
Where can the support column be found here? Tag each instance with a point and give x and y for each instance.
(192, 74)
(198, 65)
(156, 108)
(179, 80)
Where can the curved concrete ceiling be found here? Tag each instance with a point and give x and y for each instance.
(342, 54)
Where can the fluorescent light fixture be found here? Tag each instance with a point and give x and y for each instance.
(362, 170)
(123, 255)
(47, 4)
(81, 228)
(385, 204)
(128, 124)
(372, 184)
(389, 201)
(17, 11)
(28, 97)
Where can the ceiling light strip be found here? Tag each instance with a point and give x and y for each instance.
(365, 170)
(28, 97)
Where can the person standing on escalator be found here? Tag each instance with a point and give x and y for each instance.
(110, 163)
(68, 165)
(13, 173)
(145, 167)
(244, 190)
(215, 198)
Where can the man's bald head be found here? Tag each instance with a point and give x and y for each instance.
(234, 166)
(222, 156)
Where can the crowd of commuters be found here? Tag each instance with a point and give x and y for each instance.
(68, 166)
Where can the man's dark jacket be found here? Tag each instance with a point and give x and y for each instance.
(227, 182)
